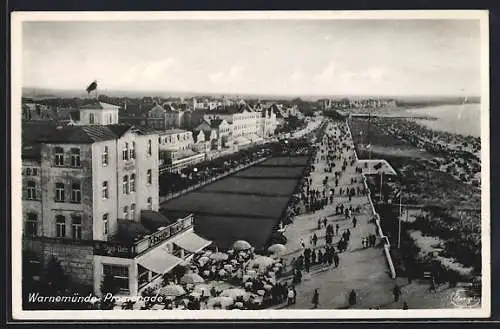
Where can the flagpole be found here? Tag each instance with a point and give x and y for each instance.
(400, 205)
(381, 186)
(399, 219)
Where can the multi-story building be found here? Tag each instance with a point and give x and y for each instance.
(267, 123)
(165, 117)
(243, 118)
(176, 149)
(98, 113)
(90, 199)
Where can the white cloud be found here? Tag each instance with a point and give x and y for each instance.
(327, 73)
(296, 76)
(216, 77)
(153, 74)
(375, 73)
(234, 74)
(236, 71)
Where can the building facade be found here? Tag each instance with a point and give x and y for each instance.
(98, 113)
(85, 191)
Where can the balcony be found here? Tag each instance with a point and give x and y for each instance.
(143, 240)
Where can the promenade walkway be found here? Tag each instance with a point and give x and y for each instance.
(363, 269)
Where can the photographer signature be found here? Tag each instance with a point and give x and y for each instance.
(465, 298)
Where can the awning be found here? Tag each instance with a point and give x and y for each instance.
(192, 242)
(159, 260)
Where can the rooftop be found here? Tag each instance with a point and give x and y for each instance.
(74, 134)
(94, 104)
(172, 131)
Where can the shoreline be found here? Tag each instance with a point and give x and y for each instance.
(464, 222)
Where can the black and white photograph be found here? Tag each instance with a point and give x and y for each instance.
(329, 165)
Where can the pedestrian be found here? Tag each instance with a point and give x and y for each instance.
(295, 293)
(433, 284)
(302, 244)
(397, 293)
(315, 299)
(337, 228)
(336, 259)
(319, 224)
(354, 221)
(405, 306)
(363, 242)
(324, 221)
(352, 298)
(290, 296)
(315, 239)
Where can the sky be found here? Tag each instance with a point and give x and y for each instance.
(281, 57)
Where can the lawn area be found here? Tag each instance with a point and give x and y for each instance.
(262, 187)
(228, 204)
(225, 230)
(244, 206)
(285, 161)
(260, 172)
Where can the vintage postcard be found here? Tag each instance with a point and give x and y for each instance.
(282, 165)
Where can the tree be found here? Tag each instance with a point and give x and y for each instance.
(108, 286)
(54, 275)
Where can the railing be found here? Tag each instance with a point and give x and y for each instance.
(387, 245)
(209, 181)
(116, 249)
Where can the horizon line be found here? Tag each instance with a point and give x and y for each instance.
(241, 93)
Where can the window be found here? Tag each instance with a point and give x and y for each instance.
(105, 220)
(75, 157)
(125, 212)
(91, 118)
(150, 176)
(59, 156)
(28, 171)
(132, 211)
(120, 275)
(142, 276)
(31, 191)
(34, 172)
(76, 228)
(132, 183)
(60, 226)
(150, 148)
(76, 193)
(110, 119)
(125, 152)
(105, 190)
(132, 151)
(59, 192)
(105, 156)
(125, 184)
(150, 203)
(31, 227)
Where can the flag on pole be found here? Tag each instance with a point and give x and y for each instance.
(91, 87)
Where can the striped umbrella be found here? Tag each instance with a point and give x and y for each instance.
(192, 278)
(172, 290)
(241, 245)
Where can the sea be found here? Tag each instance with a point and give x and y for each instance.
(459, 119)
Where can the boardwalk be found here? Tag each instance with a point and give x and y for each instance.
(364, 270)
